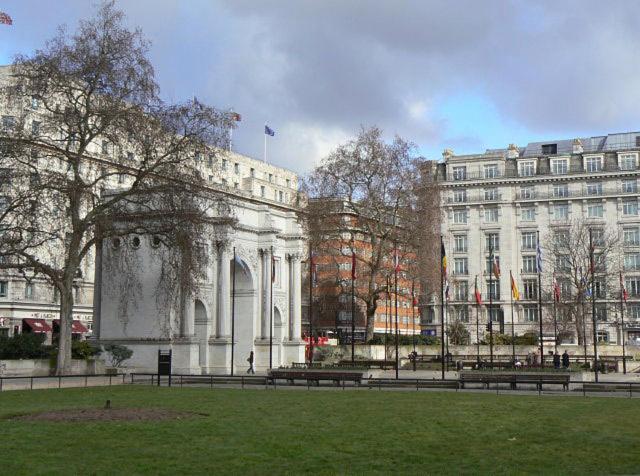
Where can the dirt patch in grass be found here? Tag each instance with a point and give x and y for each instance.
(111, 414)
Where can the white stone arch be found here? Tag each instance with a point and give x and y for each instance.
(243, 308)
(201, 328)
(278, 324)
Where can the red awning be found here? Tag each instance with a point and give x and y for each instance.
(77, 327)
(37, 325)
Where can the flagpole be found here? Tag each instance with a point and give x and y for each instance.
(396, 309)
(555, 315)
(593, 304)
(386, 317)
(540, 300)
(491, 264)
(624, 354)
(265, 142)
(413, 311)
(311, 278)
(442, 257)
(513, 324)
(353, 303)
(475, 295)
(233, 309)
(271, 315)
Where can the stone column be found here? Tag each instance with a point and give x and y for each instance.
(187, 327)
(266, 293)
(296, 290)
(223, 297)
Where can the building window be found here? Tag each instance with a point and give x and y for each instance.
(460, 291)
(632, 261)
(630, 186)
(236, 168)
(528, 214)
(527, 192)
(628, 161)
(105, 147)
(563, 263)
(561, 190)
(630, 207)
(530, 289)
(460, 266)
(603, 336)
(35, 128)
(460, 243)
(529, 264)
(459, 216)
(459, 173)
(8, 122)
(493, 290)
(224, 164)
(262, 191)
(559, 166)
(560, 212)
(632, 285)
(225, 182)
(344, 316)
(35, 102)
(288, 183)
(594, 188)
(491, 194)
(492, 241)
(593, 164)
(549, 149)
(210, 178)
(634, 312)
(595, 210)
(459, 196)
(491, 214)
(527, 169)
(491, 171)
(210, 162)
(529, 240)
(4, 288)
(530, 314)
(462, 313)
(270, 178)
(28, 291)
(631, 236)
(120, 178)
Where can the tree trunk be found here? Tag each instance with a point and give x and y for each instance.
(371, 321)
(63, 365)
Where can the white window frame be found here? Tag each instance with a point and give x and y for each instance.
(630, 208)
(559, 166)
(528, 214)
(595, 210)
(629, 186)
(459, 172)
(593, 163)
(527, 168)
(622, 158)
(491, 214)
(491, 171)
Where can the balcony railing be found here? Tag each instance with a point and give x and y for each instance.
(540, 172)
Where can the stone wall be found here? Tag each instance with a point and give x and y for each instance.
(38, 368)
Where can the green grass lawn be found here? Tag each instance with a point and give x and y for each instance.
(286, 431)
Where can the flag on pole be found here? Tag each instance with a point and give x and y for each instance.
(477, 292)
(236, 117)
(444, 258)
(539, 258)
(623, 291)
(396, 260)
(495, 266)
(556, 289)
(268, 131)
(353, 264)
(514, 288)
(5, 19)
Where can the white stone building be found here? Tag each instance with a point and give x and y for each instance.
(266, 310)
(507, 196)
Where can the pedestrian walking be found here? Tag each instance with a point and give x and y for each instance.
(556, 361)
(565, 360)
(251, 370)
(529, 360)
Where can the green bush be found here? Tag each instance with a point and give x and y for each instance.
(24, 346)
(118, 353)
(84, 350)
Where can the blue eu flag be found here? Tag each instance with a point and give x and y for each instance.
(269, 131)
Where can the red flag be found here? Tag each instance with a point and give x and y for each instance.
(496, 267)
(623, 291)
(5, 19)
(236, 117)
(396, 260)
(477, 293)
(556, 288)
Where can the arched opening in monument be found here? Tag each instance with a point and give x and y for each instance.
(243, 304)
(201, 323)
(278, 325)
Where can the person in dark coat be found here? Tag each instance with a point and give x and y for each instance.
(250, 370)
(556, 361)
(565, 360)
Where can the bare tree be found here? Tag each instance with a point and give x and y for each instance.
(93, 153)
(364, 198)
(569, 255)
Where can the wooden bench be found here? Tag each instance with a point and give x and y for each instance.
(380, 364)
(411, 383)
(315, 376)
(513, 379)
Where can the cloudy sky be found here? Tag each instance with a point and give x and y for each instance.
(465, 75)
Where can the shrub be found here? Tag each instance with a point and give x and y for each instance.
(24, 346)
(118, 354)
(82, 349)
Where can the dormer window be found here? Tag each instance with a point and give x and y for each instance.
(559, 166)
(627, 161)
(550, 149)
(528, 168)
(593, 164)
(491, 171)
(459, 173)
